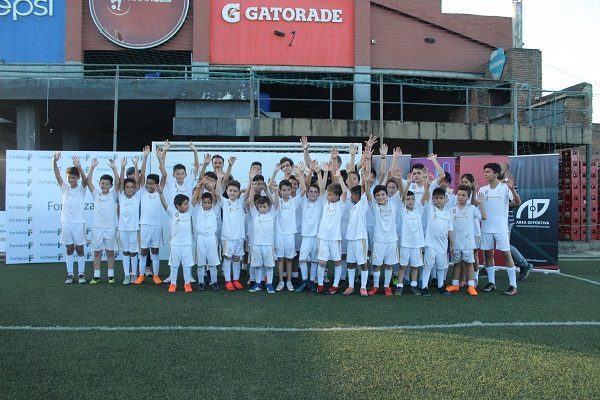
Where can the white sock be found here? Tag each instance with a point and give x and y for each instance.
(441, 277)
(134, 265)
(126, 265)
(425, 272)
(491, 273)
(81, 265)
(364, 277)
(313, 271)
(142, 266)
(351, 276)
(173, 276)
(236, 270)
(344, 270)
(213, 274)
(227, 269)
(387, 277)
(320, 275)
(96, 273)
(476, 276)
(406, 275)
(455, 282)
(512, 276)
(111, 273)
(337, 274)
(413, 283)
(201, 274)
(470, 282)
(269, 275)
(70, 261)
(376, 277)
(434, 274)
(304, 270)
(257, 272)
(187, 274)
(252, 273)
(295, 274)
(155, 264)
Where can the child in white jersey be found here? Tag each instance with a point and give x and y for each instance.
(71, 215)
(465, 216)
(104, 223)
(262, 256)
(205, 231)
(129, 220)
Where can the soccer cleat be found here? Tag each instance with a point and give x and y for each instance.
(230, 286)
(238, 285)
(167, 280)
(82, 279)
(192, 280)
(398, 290)
(140, 279)
(442, 290)
(490, 287)
(126, 280)
(69, 280)
(425, 292)
(511, 291)
(388, 291)
(320, 289)
(452, 288)
(415, 291)
(94, 281)
(289, 286)
(111, 280)
(363, 292)
(348, 291)
(172, 288)
(214, 286)
(332, 290)
(270, 289)
(373, 291)
(157, 280)
(280, 286)
(255, 288)
(524, 272)
(433, 282)
(187, 287)
(472, 291)
(201, 287)
(302, 287)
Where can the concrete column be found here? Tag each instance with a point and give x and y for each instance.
(362, 93)
(28, 128)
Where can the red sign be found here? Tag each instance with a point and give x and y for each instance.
(139, 24)
(282, 32)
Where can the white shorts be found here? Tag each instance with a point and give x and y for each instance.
(233, 248)
(309, 251)
(207, 251)
(150, 236)
(501, 239)
(436, 259)
(357, 252)
(104, 239)
(128, 241)
(181, 255)
(329, 250)
(385, 253)
(72, 234)
(411, 256)
(285, 245)
(262, 256)
(462, 255)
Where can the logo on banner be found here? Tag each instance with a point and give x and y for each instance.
(535, 209)
(137, 24)
(232, 13)
(24, 8)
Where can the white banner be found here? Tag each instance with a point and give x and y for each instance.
(2, 231)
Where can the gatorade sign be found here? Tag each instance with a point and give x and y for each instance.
(282, 32)
(139, 24)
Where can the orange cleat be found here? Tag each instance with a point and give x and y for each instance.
(373, 291)
(363, 292)
(472, 291)
(348, 291)
(238, 285)
(230, 286)
(388, 291)
(453, 288)
(187, 287)
(320, 288)
(140, 279)
(172, 288)
(156, 280)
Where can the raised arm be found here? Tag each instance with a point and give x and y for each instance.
(93, 165)
(55, 159)
(136, 173)
(438, 168)
(304, 141)
(275, 191)
(160, 155)
(426, 194)
(250, 197)
(338, 176)
(146, 152)
(218, 189)
(366, 170)
(383, 150)
(198, 190)
(275, 171)
(230, 163)
(196, 161)
(121, 183)
(323, 184)
(298, 171)
(207, 159)
(516, 202)
(163, 201)
(481, 207)
(77, 164)
(352, 163)
(113, 167)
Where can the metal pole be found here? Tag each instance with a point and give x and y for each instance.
(116, 110)
(330, 100)
(466, 106)
(588, 192)
(252, 106)
(380, 109)
(515, 121)
(401, 102)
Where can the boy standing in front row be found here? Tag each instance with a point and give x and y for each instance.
(129, 221)
(71, 215)
(205, 229)
(263, 226)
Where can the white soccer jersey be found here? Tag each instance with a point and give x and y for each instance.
(464, 220)
(357, 224)
(73, 200)
(496, 203)
(204, 221)
(385, 222)
(285, 222)
(129, 212)
(263, 226)
(345, 214)
(417, 190)
(151, 208)
(396, 202)
(105, 209)
(181, 227)
(439, 223)
(172, 188)
(412, 227)
(233, 219)
(331, 219)
(311, 216)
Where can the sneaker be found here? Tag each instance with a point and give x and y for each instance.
(82, 279)
(320, 289)
(111, 280)
(425, 292)
(348, 291)
(415, 291)
(158, 281)
(126, 280)
(172, 288)
(255, 288)
(442, 290)
(140, 279)
(280, 286)
(490, 287)
(214, 286)
(167, 279)
(524, 273)
(303, 286)
(187, 287)
(289, 286)
(201, 287)
(373, 291)
(313, 286)
(398, 290)
(472, 291)
(388, 291)
(192, 280)
(331, 290)
(270, 289)
(363, 292)
(452, 288)
(69, 280)
(94, 281)
(238, 285)
(229, 286)
(511, 291)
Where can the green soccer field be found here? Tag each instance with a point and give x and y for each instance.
(113, 342)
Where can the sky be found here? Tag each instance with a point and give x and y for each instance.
(567, 32)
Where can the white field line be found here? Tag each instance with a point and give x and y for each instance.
(580, 278)
(474, 324)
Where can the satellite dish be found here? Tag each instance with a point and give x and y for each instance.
(497, 62)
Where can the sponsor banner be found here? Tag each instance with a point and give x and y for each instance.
(447, 163)
(474, 165)
(282, 32)
(139, 24)
(32, 31)
(535, 229)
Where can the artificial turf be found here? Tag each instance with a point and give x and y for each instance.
(481, 362)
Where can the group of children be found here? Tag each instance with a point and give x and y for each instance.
(352, 217)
